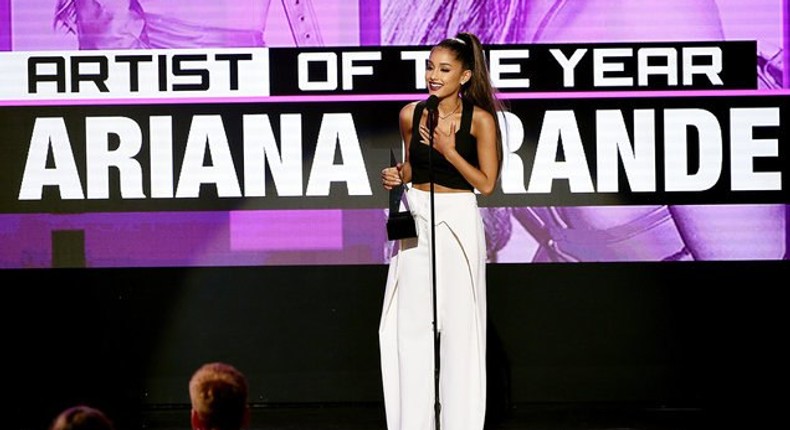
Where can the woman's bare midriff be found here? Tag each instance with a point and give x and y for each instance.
(438, 188)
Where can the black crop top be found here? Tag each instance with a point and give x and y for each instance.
(444, 173)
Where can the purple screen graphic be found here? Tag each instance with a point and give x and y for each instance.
(5, 25)
(518, 234)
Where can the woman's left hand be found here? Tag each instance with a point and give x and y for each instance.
(444, 143)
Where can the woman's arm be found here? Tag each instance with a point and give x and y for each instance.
(110, 24)
(631, 21)
(732, 232)
(400, 174)
(663, 20)
(405, 121)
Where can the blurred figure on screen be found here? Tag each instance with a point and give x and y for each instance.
(144, 24)
(603, 233)
(218, 394)
(81, 417)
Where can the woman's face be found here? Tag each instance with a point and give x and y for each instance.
(444, 73)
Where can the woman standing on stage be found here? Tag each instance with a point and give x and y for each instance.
(466, 156)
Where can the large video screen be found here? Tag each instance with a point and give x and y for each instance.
(147, 133)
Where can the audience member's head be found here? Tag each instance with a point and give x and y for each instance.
(81, 417)
(218, 392)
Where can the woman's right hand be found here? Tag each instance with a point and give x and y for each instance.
(390, 176)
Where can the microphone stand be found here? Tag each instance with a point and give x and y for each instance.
(437, 406)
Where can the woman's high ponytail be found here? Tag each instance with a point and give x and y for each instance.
(478, 89)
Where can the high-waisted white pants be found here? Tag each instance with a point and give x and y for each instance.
(406, 330)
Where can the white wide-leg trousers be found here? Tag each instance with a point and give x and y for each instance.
(406, 331)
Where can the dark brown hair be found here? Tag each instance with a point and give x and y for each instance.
(479, 89)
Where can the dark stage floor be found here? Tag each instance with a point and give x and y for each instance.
(526, 417)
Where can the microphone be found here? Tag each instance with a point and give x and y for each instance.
(432, 104)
